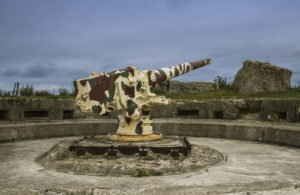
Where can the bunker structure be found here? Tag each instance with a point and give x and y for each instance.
(131, 91)
(93, 164)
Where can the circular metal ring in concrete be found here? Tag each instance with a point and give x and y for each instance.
(250, 167)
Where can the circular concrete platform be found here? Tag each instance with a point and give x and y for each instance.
(250, 168)
(92, 156)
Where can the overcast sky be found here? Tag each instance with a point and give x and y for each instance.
(51, 43)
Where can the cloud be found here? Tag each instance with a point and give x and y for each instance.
(38, 70)
(178, 3)
(55, 49)
(9, 72)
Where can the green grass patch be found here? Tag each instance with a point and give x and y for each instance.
(217, 94)
(147, 172)
(227, 92)
(232, 94)
(41, 97)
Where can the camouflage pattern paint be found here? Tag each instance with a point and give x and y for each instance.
(129, 90)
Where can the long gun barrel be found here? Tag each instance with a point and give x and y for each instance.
(164, 74)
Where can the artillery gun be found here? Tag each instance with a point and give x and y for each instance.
(131, 91)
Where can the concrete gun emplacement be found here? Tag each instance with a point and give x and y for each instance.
(131, 91)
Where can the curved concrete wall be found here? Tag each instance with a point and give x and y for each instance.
(57, 109)
(286, 134)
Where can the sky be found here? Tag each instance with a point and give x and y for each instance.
(50, 43)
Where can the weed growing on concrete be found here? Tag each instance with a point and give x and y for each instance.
(146, 172)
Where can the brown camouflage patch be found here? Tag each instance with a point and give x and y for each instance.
(130, 91)
(131, 111)
(187, 68)
(200, 63)
(115, 76)
(161, 76)
(128, 120)
(176, 72)
(145, 112)
(83, 82)
(98, 92)
(99, 109)
(130, 69)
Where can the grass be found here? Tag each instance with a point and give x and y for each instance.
(146, 172)
(217, 94)
(42, 97)
(28, 92)
(233, 94)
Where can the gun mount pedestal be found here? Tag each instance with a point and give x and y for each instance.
(131, 91)
(136, 125)
(134, 138)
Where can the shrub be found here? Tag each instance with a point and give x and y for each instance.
(73, 93)
(141, 173)
(296, 87)
(224, 84)
(4, 93)
(27, 90)
(63, 92)
(43, 93)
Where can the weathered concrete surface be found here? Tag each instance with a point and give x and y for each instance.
(278, 133)
(250, 168)
(232, 109)
(276, 110)
(211, 109)
(60, 158)
(173, 86)
(36, 130)
(15, 109)
(258, 76)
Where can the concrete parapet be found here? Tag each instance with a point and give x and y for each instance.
(280, 109)
(211, 109)
(37, 130)
(230, 109)
(14, 109)
(284, 134)
(173, 86)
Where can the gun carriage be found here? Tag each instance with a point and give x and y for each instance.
(129, 90)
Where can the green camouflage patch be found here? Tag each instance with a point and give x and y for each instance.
(139, 128)
(125, 74)
(138, 86)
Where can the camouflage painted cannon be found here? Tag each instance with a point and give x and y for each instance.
(131, 91)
